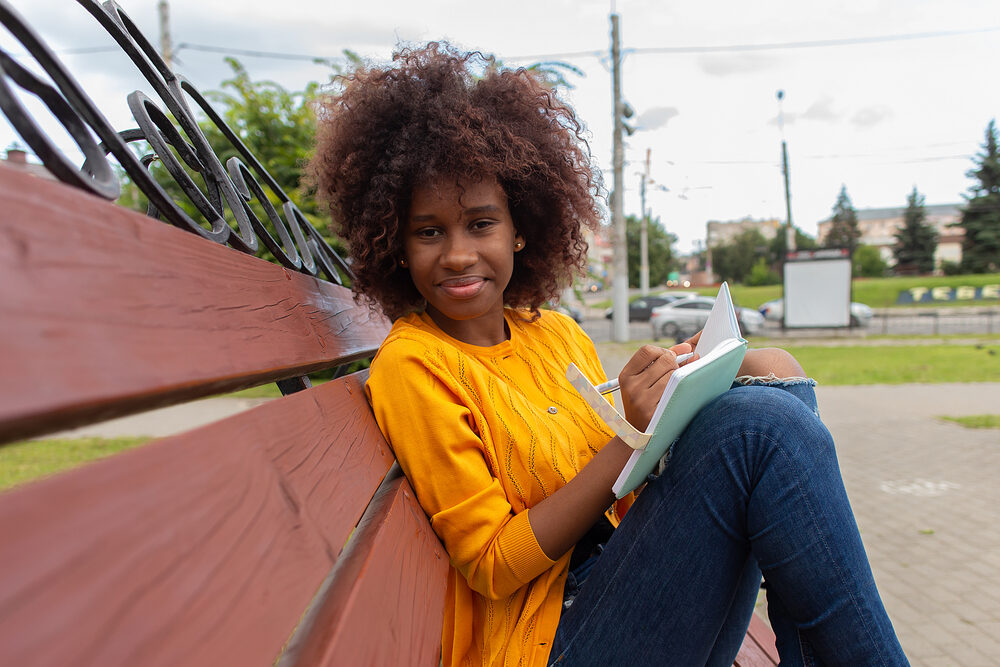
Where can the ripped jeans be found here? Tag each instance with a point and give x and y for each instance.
(751, 486)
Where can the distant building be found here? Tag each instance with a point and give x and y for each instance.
(721, 233)
(878, 227)
(18, 159)
(600, 254)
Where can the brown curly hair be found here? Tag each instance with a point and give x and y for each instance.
(431, 114)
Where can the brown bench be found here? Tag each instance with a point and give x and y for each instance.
(283, 535)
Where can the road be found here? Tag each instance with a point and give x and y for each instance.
(888, 321)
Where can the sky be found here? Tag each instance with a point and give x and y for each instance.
(880, 96)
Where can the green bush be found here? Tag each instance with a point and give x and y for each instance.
(761, 274)
(950, 268)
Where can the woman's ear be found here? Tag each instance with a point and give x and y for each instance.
(518, 243)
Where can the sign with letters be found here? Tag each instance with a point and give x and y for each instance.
(942, 293)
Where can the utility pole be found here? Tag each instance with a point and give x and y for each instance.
(619, 291)
(166, 48)
(789, 229)
(644, 234)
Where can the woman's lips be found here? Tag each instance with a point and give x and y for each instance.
(462, 288)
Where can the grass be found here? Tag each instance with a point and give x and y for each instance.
(899, 364)
(976, 421)
(24, 461)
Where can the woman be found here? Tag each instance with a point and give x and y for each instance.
(463, 192)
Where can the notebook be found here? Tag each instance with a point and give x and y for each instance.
(690, 388)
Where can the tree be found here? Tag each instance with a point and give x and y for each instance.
(734, 261)
(868, 262)
(661, 256)
(916, 240)
(844, 232)
(981, 217)
(778, 245)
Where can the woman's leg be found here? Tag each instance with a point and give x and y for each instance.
(754, 476)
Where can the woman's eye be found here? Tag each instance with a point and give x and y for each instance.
(482, 224)
(427, 233)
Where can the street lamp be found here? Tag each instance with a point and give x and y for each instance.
(789, 230)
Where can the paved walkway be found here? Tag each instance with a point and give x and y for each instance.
(925, 493)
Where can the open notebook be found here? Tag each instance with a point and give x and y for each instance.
(720, 353)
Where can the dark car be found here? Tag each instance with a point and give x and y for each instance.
(640, 309)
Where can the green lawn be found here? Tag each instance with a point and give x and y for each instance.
(24, 461)
(898, 364)
(976, 421)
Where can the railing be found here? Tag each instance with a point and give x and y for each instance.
(936, 322)
(166, 122)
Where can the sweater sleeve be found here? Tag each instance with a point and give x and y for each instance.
(433, 432)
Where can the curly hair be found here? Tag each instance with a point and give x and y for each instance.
(430, 115)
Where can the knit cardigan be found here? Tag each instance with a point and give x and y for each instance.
(483, 434)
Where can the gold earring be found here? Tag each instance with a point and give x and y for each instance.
(518, 245)
(403, 263)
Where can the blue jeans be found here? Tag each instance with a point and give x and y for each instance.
(753, 485)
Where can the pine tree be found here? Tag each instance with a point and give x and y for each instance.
(916, 240)
(844, 232)
(981, 217)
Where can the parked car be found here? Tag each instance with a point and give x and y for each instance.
(861, 314)
(640, 309)
(565, 309)
(685, 317)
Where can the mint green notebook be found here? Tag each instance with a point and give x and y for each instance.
(721, 349)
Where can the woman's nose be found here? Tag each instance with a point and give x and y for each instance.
(459, 253)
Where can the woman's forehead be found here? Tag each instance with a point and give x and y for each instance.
(456, 192)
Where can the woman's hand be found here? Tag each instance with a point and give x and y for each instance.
(644, 377)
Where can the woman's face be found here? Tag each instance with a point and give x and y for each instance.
(459, 244)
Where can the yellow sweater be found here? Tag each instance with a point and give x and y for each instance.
(483, 434)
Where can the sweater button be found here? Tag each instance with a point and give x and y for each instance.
(552, 410)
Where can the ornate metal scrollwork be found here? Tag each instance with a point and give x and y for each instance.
(176, 140)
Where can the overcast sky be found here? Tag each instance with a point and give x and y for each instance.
(880, 95)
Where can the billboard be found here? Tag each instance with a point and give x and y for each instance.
(817, 289)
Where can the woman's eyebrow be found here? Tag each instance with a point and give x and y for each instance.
(480, 210)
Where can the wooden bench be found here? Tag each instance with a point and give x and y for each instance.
(283, 535)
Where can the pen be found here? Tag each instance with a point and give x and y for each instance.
(612, 385)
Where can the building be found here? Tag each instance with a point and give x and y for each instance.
(18, 159)
(721, 233)
(878, 227)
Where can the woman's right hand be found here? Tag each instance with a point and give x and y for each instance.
(644, 378)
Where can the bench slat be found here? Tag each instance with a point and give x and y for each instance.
(200, 549)
(107, 312)
(384, 601)
(758, 648)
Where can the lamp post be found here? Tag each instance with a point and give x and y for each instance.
(789, 230)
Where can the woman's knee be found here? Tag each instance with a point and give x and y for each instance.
(770, 410)
(771, 362)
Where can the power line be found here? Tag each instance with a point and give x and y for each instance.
(819, 43)
(252, 53)
(849, 41)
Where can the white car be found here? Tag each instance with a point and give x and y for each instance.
(861, 314)
(685, 317)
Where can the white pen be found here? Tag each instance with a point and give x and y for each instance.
(612, 385)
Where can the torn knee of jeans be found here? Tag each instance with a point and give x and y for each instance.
(772, 380)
